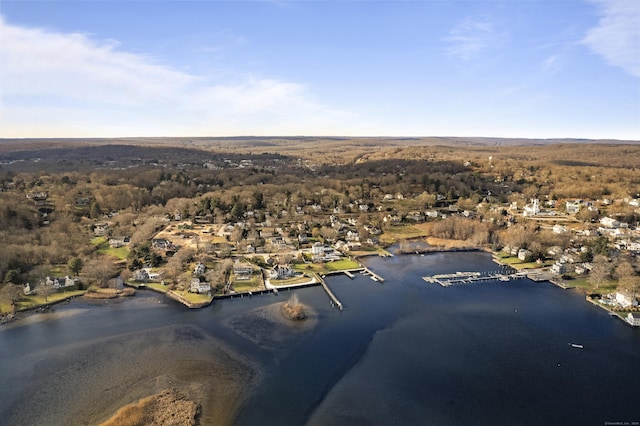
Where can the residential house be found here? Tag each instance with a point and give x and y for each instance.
(141, 275)
(100, 229)
(633, 318)
(626, 299)
(242, 269)
(432, 214)
(162, 244)
(558, 268)
(532, 209)
(352, 236)
(116, 242)
(415, 217)
(57, 282)
(524, 255)
(199, 287)
(281, 272)
(572, 207)
(317, 249)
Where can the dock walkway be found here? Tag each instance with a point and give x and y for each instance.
(446, 280)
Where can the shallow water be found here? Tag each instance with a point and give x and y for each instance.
(402, 352)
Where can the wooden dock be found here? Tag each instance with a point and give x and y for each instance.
(373, 275)
(446, 280)
(334, 299)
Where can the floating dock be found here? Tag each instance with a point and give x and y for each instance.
(446, 280)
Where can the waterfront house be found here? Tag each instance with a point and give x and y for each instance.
(633, 318)
(524, 255)
(199, 287)
(61, 282)
(626, 299)
(280, 272)
(558, 268)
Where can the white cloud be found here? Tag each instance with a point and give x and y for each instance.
(73, 85)
(469, 38)
(551, 65)
(617, 36)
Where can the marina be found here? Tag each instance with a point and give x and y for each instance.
(446, 280)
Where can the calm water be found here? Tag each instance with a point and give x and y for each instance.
(402, 352)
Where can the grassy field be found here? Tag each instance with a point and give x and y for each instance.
(291, 281)
(323, 268)
(194, 297)
(400, 232)
(104, 248)
(245, 286)
(35, 300)
(608, 286)
(378, 251)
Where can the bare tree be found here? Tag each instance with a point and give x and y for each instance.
(600, 272)
(100, 271)
(626, 275)
(11, 293)
(44, 289)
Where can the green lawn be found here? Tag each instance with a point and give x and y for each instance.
(243, 286)
(194, 297)
(342, 265)
(291, 281)
(158, 287)
(104, 248)
(608, 286)
(398, 232)
(518, 264)
(323, 268)
(36, 300)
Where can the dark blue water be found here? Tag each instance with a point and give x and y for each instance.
(402, 352)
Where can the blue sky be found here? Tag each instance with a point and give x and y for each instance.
(513, 68)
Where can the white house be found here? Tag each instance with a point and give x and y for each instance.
(532, 209)
(633, 318)
(626, 299)
(242, 269)
(280, 272)
(524, 254)
(199, 287)
(572, 207)
(352, 236)
(317, 249)
(558, 268)
(61, 282)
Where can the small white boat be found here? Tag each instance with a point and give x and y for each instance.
(575, 345)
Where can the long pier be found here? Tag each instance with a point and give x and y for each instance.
(446, 280)
(334, 299)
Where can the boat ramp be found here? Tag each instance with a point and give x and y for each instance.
(446, 280)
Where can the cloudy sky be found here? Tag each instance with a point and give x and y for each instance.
(512, 68)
